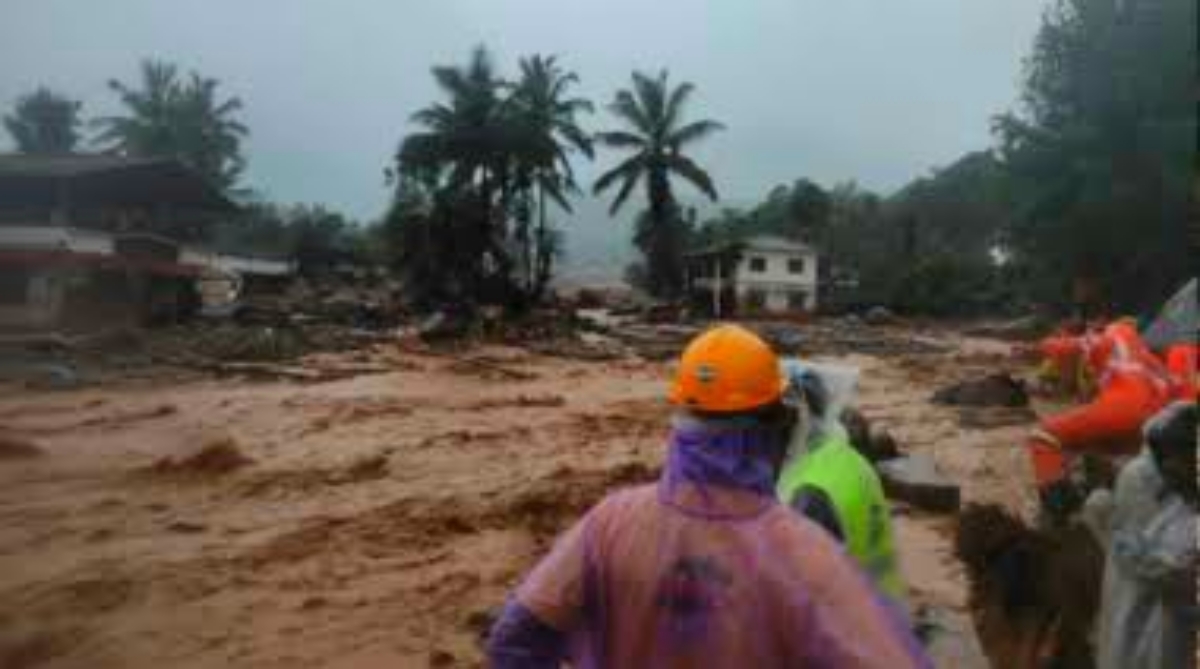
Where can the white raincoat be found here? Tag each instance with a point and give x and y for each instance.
(1148, 608)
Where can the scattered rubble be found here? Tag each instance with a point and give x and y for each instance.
(1025, 328)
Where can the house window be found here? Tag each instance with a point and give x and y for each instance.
(796, 266)
(758, 264)
(797, 300)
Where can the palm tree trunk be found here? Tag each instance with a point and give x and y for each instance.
(538, 280)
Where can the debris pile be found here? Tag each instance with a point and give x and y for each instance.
(847, 336)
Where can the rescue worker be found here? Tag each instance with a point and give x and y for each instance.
(705, 568)
(831, 483)
(1131, 385)
(1181, 361)
(1148, 526)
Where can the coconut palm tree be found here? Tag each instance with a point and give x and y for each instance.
(44, 122)
(462, 134)
(657, 135)
(461, 154)
(545, 120)
(184, 119)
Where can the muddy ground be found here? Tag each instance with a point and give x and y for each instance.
(376, 521)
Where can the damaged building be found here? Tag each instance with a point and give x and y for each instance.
(96, 240)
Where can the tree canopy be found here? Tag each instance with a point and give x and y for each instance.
(1099, 154)
(469, 222)
(182, 117)
(655, 136)
(44, 122)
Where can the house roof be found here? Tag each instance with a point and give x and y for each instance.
(762, 242)
(107, 180)
(775, 243)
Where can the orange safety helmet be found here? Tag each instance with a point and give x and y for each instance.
(727, 369)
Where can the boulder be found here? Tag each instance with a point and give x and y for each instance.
(993, 390)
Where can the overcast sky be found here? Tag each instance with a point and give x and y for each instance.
(874, 90)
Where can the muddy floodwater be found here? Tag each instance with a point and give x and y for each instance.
(379, 520)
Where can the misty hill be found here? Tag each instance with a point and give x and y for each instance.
(599, 247)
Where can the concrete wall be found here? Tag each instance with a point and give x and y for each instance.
(775, 283)
(51, 238)
(776, 271)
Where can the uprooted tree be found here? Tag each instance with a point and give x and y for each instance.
(470, 219)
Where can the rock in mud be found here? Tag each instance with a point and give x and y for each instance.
(15, 448)
(916, 480)
(217, 457)
(994, 390)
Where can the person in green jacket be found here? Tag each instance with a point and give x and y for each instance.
(830, 482)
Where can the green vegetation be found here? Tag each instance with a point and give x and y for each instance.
(181, 118)
(44, 122)
(1087, 186)
(1085, 195)
(1099, 155)
(469, 223)
(657, 135)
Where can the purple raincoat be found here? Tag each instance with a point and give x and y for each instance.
(704, 569)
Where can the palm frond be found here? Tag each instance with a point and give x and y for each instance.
(577, 138)
(623, 194)
(626, 107)
(629, 168)
(619, 139)
(694, 132)
(691, 172)
(675, 104)
(651, 95)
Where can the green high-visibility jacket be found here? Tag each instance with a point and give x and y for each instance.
(835, 468)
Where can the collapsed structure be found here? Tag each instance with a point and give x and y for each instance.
(97, 239)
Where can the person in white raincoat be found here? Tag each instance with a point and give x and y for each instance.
(1148, 608)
